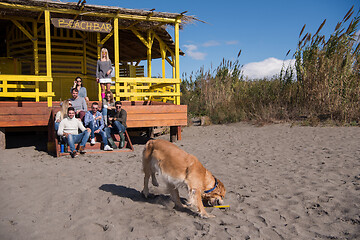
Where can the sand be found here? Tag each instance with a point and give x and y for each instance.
(282, 182)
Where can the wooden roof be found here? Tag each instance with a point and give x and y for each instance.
(131, 48)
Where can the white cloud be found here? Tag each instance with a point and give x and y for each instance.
(266, 68)
(234, 42)
(211, 43)
(191, 51)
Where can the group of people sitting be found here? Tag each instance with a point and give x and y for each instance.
(74, 116)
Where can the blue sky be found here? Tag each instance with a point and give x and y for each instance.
(264, 30)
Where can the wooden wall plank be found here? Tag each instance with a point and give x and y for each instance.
(24, 123)
(157, 116)
(24, 111)
(147, 123)
(156, 109)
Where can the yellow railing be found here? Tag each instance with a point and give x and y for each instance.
(144, 88)
(26, 86)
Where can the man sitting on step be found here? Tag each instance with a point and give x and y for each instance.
(94, 121)
(118, 123)
(69, 130)
(78, 103)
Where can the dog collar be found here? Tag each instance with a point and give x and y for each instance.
(210, 190)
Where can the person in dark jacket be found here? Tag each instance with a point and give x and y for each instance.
(118, 124)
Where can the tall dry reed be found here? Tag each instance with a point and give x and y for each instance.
(326, 85)
(328, 71)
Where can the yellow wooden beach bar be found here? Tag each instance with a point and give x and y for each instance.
(45, 44)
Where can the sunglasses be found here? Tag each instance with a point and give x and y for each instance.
(118, 106)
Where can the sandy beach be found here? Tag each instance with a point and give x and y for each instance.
(282, 182)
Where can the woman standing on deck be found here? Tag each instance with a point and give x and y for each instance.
(103, 71)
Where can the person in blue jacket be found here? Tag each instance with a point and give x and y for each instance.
(94, 120)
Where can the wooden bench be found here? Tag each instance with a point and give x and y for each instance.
(12, 116)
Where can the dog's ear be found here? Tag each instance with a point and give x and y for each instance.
(221, 189)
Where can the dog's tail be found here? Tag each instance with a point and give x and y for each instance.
(148, 150)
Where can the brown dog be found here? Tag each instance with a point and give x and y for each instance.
(177, 168)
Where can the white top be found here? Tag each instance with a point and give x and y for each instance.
(58, 116)
(71, 126)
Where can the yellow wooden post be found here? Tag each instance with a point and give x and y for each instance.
(177, 63)
(98, 44)
(5, 87)
(36, 59)
(84, 65)
(98, 55)
(117, 58)
(163, 55)
(149, 54)
(48, 56)
(150, 39)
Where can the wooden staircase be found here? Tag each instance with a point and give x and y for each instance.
(98, 147)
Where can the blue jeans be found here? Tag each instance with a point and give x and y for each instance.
(76, 138)
(57, 126)
(117, 127)
(102, 133)
(104, 112)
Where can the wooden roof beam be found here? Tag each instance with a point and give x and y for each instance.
(162, 42)
(40, 14)
(21, 27)
(102, 42)
(25, 19)
(72, 11)
(81, 7)
(142, 39)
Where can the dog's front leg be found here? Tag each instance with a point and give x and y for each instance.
(174, 193)
(192, 200)
(200, 206)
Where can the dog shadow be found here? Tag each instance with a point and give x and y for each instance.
(137, 196)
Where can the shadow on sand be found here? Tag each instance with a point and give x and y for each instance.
(137, 196)
(27, 139)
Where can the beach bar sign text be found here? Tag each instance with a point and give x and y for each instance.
(87, 26)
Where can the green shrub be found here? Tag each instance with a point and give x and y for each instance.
(326, 86)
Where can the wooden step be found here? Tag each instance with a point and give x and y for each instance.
(98, 146)
(97, 149)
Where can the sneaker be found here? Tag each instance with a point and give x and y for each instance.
(108, 148)
(92, 142)
(82, 149)
(73, 154)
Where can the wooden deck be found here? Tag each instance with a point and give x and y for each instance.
(140, 114)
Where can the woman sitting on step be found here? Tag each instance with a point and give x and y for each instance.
(63, 113)
(108, 106)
